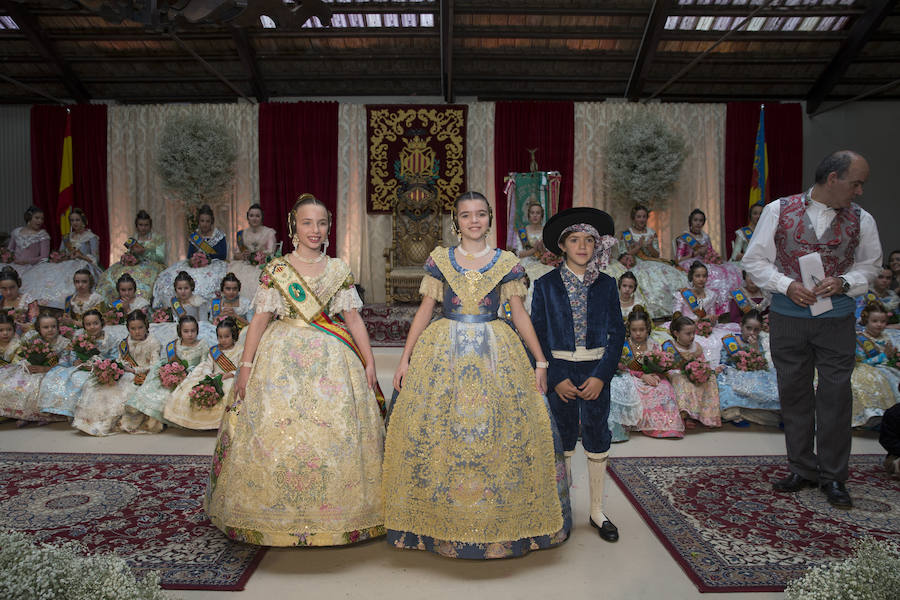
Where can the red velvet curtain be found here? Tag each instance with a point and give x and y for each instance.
(784, 140)
(298, 152)
(48, 126)
(521, 126)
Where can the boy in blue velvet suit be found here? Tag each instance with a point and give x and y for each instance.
(576, 315)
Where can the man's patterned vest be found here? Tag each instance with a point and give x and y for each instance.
(796, 236)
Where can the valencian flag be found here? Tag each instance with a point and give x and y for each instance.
(759, 184)
(64, 200)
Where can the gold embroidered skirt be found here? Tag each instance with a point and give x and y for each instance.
(298, 460)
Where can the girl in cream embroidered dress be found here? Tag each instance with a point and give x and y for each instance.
(298, 459)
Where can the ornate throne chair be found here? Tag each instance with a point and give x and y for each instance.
(416, 231)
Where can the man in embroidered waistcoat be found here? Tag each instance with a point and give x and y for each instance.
(824, 219)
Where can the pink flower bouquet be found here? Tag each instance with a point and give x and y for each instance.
(257, 258)
(750, 359)
(37, 352)
(113, 317)
(6, 255)
(172, 374)
(208, 393)
(704, 327)
(66, 331)
(107, 371)
(83, 347)
(161, 315)
(658, 361)
(128, 259)
(550, 259)
(199, 259)
(697, 371)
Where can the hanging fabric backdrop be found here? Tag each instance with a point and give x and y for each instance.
(700, 184)
(89, 142)
(133, 183)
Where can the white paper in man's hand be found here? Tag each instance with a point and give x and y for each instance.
(812, 272)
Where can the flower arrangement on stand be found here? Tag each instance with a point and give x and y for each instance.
(697, 371)
(107, 371)
(36, 350)
(208, 393)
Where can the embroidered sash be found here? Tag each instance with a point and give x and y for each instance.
(523, 237)
(118, 304)
(125, 355)
(171, 355)
(297, 293)
(627, 236)
(130, 242)
(870, 349)
(731, 344)
(748, 233)
(741, 300)
(201, 244)
(240, 241)
(221, 360)
(215, 307)
(629, 359)
(507, 311)
(871, 297)
(688, 239)
(692, 301)
(669, 347)
(68, 304)
(177, 308)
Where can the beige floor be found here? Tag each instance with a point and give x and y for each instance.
(635, 568)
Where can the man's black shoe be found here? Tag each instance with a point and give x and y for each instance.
(607, 530)
(837, 494)
(792, 483)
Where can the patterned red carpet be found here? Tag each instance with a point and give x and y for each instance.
(720, 520)
(147, 509)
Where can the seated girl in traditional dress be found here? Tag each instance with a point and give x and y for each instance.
(748, 393)
(230, 303)
(299, 454)
(29, 244)
(660, 416)
(80, 249)
(185, 301)
(470, 412)
(625, 408)
(9, 341)
(144, 260)
(874, 382)
(529, 247)
(205, 245)
(629, 294)
(252, 244)
(62, 386)
(742, 236)
(144, 409)
(746, 298)
(20, 384)
(22, 308)
(881, 292)
(700, 302)
(221, 361)
(657, 276)
(102, 406)
(697, 401)
(695, 244)
(126, 299)
(84, 298)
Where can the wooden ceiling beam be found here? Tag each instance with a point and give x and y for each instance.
(859, 35)
(653, 30)
(446, 23)
(30, 27)
(248, 58)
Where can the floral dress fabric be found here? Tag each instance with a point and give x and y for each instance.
(20, 390)
(874, 384)
(102, 406)
(62, 386)
(698, 402)
(249, 274)
(50, 283)
(723, 277)
(660, 416)
(150, 399)
(150, 264)
(207, 279)
(179, 409)
(473, 468)
(298, 460)
(749, 395)
(657, 279)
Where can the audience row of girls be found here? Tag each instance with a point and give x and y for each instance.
(46, 274)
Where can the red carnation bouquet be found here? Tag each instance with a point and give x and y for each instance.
(704, 327)
(172, 374)
(38, 352)
(107, 371)
(84, 347)
(697, 371)
(199, 259)
(750, 359)
(129, 259)
(658, 361)
(208, 393)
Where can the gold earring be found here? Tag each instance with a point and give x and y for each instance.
(296, 240)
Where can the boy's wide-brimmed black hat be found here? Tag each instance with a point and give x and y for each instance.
(558, 223)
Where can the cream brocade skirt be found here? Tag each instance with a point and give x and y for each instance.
(470, 456)
(298, 460)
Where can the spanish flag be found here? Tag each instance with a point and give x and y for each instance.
(64, 201)
(759, 184)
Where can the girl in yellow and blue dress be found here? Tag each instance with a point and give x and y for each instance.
(299, 453)
(84, 298)
(230, 303)
(472, 468)
(874, 381)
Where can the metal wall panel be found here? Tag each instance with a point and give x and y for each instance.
(15, 165)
